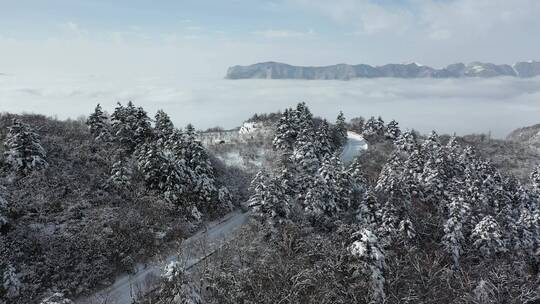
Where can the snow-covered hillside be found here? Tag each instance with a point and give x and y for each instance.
(244, 147)
(528, 135)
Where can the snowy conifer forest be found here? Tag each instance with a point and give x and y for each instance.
(124, 207)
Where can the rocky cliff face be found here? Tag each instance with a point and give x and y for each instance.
(276, 70)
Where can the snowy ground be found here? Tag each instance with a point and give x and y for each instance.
(231, 158)
(192, 250)
(355, 144)
(235, 159)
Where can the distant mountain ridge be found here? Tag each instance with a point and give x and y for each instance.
(277, 70)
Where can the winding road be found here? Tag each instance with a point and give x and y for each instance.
(355, 144)
(128, 287)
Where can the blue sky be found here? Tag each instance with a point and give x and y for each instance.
(153, 37)
(34, 19)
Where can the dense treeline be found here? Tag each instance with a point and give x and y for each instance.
(81, 201)
(437, 224)
(412, 220)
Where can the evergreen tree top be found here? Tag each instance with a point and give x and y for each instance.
(23, 148)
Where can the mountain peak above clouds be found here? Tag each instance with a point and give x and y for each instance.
(278, 70)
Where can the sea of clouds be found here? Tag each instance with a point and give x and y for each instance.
(460, 106)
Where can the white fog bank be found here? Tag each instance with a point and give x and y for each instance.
(463, 106)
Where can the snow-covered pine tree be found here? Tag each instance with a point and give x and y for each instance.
(392, 130)
(432, 144)
(398, 185)
(190, 133)
(257, 187)
(163, 128)
(279, 202)
(3, 210)
(120, 173)
(307, 163)
(374, 128)
(11, 285)
(304, 116)
(288, 183)
(186, 148)
(269, 201)
(454, 239)
(345, 188)
(98, 123)
(131, 126)
(369, 254)
(142, 129)
(327, 195)
(23, 149)
(316, 207)
(435, 175)
(407, 142)
(225, 197)
(341, 129)
(535, 178)
(161, 172)
(479, 183)
(203, 174)
(515, 234)
(453, 150)
(487, 237)
(413, 170)
(121, 126)
(390, 175)
(176, 288)
(149, 161)
(304, 121)
(286, 132)
(381, 126)
(453, 147)
(406, 228)
(493, 196)
(388, 228)
(357, 178)
(323, 143)
(484, 292)
(175, 177)
(370, 211)
(177, 145)
(305, 147)
(528, 230)
(370, 127)
(395, 224)
(468, 158)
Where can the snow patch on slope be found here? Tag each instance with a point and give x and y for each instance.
(248, 127)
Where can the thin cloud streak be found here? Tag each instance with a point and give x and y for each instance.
(285, 34)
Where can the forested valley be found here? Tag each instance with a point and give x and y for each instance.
(415, 218)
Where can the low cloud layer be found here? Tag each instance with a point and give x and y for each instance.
(452, 105)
